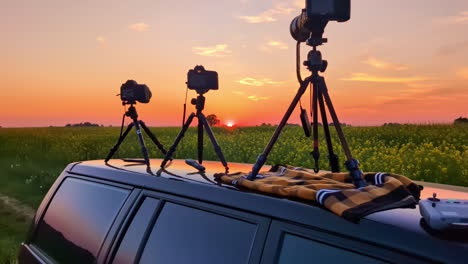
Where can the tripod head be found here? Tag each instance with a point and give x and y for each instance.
(131, 112)
(199, 102)
(314, 62)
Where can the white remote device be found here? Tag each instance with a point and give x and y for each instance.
(442, 214)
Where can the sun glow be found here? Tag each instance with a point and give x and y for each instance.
(230, 124)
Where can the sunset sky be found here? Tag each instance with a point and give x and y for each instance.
(63, 61)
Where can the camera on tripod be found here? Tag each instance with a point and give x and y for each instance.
(202, 80)
(131, 92)
(315, 17)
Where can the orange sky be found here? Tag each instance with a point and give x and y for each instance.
(63, 61)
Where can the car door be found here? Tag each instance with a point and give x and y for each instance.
(298, 244)
(169, 229)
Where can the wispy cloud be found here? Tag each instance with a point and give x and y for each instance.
(257, 82)
(269, 15)
(254, 98)
(257, 98)
(418, 99)
(220, 50)
(463, 73)
(364, 77)
(277, 44)
(299, 3)
(452, 48)
(460, 18)
(139, 27)
(101, 39)
(238, 92)
(384, 65)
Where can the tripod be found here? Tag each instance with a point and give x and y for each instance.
(132, 113)
(199, 103)
(320, 97)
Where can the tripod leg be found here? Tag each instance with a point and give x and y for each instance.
(315, 152)
(334, 117)
(153, 137)
(121, 139)
(263, 157)
(351, 164)
(144, 150)
(332, 157)
(181, 134)
(200, 138)
(216, 146)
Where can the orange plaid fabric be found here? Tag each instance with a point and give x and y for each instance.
(335, 191)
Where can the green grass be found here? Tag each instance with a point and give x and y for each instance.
(12, 232)
(32, 158)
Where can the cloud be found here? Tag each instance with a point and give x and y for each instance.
(460, 18)
(220, 50)
(269, 15)
(254, 98)
(463, 73)
(299, 3)
(257, 98)
(418, 98)
(238, 92)
(101, 39)
(139, 27)
(257, 82)
(364, 77)
(452, 48)
(384, 65)
(277, 44)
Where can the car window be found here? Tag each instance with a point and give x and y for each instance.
(77, 220)
(182, 234)
(132, 239)
(298, 250)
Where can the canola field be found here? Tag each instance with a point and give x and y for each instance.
(32, 158)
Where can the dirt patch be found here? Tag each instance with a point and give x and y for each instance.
(12, 206)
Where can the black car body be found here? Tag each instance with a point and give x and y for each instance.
(120, 213)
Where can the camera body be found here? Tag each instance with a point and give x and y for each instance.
(313, 19)
(131, 92)
(331, 10)
(202, 80)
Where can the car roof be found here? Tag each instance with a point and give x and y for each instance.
(389, 227)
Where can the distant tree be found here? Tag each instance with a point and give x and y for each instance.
(212, 120)
(461, 121)
(391, 124)
(85, 124)
(341, 124)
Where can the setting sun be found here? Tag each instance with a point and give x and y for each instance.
(230, 124)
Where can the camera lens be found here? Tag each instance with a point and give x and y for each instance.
(297, 29)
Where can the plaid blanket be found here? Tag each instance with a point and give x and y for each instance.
(334, 191)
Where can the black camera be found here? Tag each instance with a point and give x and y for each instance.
(316, 15)
(202, 80)
(331, 10)
(131, 92)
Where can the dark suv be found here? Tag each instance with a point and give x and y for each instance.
(119, 213)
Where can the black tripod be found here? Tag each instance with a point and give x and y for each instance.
(199, 103)
(132, 113)
(315, 64)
